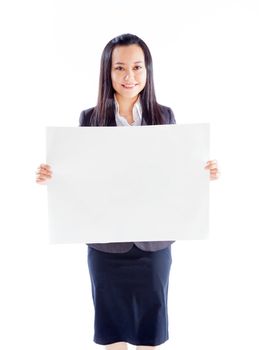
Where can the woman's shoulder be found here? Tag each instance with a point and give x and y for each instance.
(85, 117)
(168, 114)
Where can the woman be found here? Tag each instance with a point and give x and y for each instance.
(129, 280)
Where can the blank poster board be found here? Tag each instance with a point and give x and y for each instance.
(125, 184)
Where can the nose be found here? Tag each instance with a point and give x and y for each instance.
(128, 75)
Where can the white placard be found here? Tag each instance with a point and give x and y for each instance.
(128, 184)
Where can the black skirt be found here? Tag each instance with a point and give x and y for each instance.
(130, 295)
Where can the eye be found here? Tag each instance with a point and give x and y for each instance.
(119, 68)
(137, 67)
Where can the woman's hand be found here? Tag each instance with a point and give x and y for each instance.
(43, 173)
(213, 167)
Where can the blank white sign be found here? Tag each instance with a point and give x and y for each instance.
(125, 184)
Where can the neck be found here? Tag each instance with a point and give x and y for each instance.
(126, 104)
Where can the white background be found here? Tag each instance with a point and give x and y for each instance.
(206, 69)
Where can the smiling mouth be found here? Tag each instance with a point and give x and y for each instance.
(129, 86)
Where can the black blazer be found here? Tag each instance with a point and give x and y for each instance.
(85, 117)
(123, 247)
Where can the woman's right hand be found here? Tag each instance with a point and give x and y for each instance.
(43, 173)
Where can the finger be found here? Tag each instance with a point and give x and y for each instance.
(212, 166)
(214, 161)
(214, 176)
(43, 177)
(40, 171)
(40, 179)
(40, 176)
(211, 162)
(47, 172)
(45, 166)
(40, 182)
(43, 171)
(214, 171)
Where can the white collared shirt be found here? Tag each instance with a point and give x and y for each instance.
(137, 114)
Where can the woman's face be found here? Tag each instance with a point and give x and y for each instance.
(128, 71)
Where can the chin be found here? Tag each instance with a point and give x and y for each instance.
(129, 94)
(132, 95)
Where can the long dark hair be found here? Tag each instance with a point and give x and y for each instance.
(104, 112)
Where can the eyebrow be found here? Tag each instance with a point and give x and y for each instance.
(124, 63)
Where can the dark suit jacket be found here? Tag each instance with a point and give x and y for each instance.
(122, 247)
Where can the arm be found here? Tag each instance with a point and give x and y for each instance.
(171, 116)
(85, 117)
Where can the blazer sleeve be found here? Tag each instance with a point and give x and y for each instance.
(81, 118)
(168, 115)
(171, 116)
(85, 117)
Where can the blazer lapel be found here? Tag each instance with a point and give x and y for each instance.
(112, 122)
(143, 122)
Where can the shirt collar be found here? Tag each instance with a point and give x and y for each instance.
(137, 105)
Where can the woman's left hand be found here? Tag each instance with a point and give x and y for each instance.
(213, 167)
